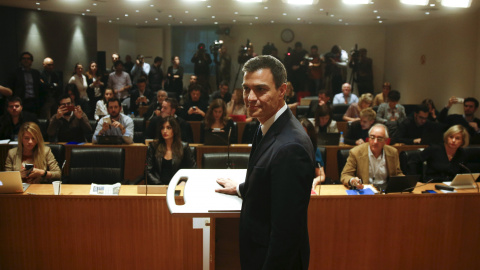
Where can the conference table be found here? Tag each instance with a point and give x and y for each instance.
(74, 230)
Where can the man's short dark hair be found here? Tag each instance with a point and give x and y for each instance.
(266, 61)
(471, 99)
(314, 47)
(64, 96)
(119, 62)
(29, 54)
(393, 96)
(141, 80)
(173, 103)
(14, 99)
(223, 83)
(422, 108)
(194, 87)
(158, 59)
(114, 99)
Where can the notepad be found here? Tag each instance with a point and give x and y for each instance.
(365, 191)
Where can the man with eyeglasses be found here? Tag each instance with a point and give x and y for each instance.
(11, 122)
(69, 124)
(417, 129)
(372, 162)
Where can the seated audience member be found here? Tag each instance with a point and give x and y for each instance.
(216, 119)
(195, 107)
(346, 97)
(32, 150)
(432, 111)
(236, 106)
(140, 96)
(391, 111)
(186, 90)
(358, 131)
(417, 129)
(382, 97)
(69, 124)
(167, 154)
(353, 112)
(323, 99)
(155, 108)
(115, 124)
(80, 81)
(72, 91)
(319, 171)
(169, 108)
(290, 96)
(324, 122)
(372, 162)
(222, 93)
(101, 107)
(11, 122)
(468, 119)
(443, 161)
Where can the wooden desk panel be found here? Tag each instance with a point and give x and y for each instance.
(94, 232)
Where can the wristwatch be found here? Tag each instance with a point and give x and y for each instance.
(45, 174)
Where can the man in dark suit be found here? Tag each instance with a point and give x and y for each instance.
(25, 83)
(276, 192)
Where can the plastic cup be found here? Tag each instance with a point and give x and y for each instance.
(57, 187)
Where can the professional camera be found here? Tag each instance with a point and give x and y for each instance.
(355, 53)
(268, 49)
(217, 45)
(245, 53)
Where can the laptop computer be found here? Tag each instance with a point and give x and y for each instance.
(216, 138)
(328, 139)
(395, 184)
(110, 139)
(11, 182)
(464, 181)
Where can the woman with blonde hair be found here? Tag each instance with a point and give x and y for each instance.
(32, 150)
(353, 111)
(216, 120)
(444, 161)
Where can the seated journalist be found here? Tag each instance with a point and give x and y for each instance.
(167, 153)
(216, 119)
(358, 131)
(372, 162)
(32, 150)
(443, 161)
(115, 124)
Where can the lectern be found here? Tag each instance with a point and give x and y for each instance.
(202, 202)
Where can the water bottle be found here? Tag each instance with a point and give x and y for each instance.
(341, 141)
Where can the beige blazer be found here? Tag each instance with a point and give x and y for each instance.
(357, 163)
(14, 163)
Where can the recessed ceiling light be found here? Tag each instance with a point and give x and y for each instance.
(265, 7)
(415, 2)
(252, 1)
(378, 17)
(118, 19)
(380, 21)
(38, 4)
(88, 10)
(213, 17)
(110, 21)
(146, 21)
(186, 11)
(331, 15)
(321, 9)
(251, 23)
(272, 21)
(94, 4)
(340, 20)
(427, 13)
(356, 2)
(39, 9)
(298, 19)
(83, 14)
(156, 19)
(457, 3)
(215, 23)
(126, 15)
(236, 13)
(181, 22)
(346, 23)
(375, 11)
(284, 14)
(152, 5)
(137, 10)
(300, 2)
(169, 16)
(234, 20)
(432, 5)
(194, 20)
(209, 6)
(256, 18)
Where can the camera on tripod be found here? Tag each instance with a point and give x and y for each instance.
(244, 54)
(217, 45)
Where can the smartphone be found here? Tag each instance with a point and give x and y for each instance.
(194, 107)
(460, 100)
(71, 108)
(107, 120)
(29, 168)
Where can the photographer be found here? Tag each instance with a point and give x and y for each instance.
(362, 71)
(223, 63)
(315, 71)
(140, 69)
(201, 60)
(335, 69)
(195, 107)
(297, 67)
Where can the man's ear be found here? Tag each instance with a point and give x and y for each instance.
(283, 90)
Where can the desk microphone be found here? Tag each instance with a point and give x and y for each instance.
(470, 172)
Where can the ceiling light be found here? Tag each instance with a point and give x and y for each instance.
(380, 21)
(321, 9)
(94, 4)
(375, 11)
(213, 17)
(415, 2)
(427, 13)
(215, 22)
(37, 3)
(256, 18)
(378, 17)
(126, 15)
(265, 7)
(284, 14)
(457, 3)
(272, 21)
(298, 19)
(39, 9)
(137, 10)
(209, 6)
(156, 19)
(110, 21)
(152, 5)
(356, 2)
(252, 1)
(234, 20)
(88, 10)
(300, 2)
(236, 13)
(432, 5)
(194, 20)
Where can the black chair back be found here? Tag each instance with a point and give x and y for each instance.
(138, 129)
(219, 160)
(43, 125)
(96, 165)
(58, 151)
(411, 163)
(342, 156)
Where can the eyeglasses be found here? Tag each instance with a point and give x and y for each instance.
(379, 139)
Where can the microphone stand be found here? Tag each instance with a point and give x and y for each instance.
(228, 149)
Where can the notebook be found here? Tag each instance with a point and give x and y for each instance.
(464, 181)
(328, 139)
(395, 184)
(11, 182)
(112, 139)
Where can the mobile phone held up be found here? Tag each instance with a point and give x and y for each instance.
(29, 168)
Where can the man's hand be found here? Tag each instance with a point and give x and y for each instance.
(78, 112)
(158, 112)
(229, 186)
(474, 125)
(356, 182)
(105, 127)
(417, 141)
(452, 100)
(317, 180)
(117, 124)
(61, 111)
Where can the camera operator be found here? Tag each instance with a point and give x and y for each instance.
(223, 63)
(140, 69)
(202, 60)
(297, 67)
(361, 67)
(335, 69)
(315, 71)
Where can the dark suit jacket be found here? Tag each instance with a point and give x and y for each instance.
(135, 94)
(17, 83)
(276, 193)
